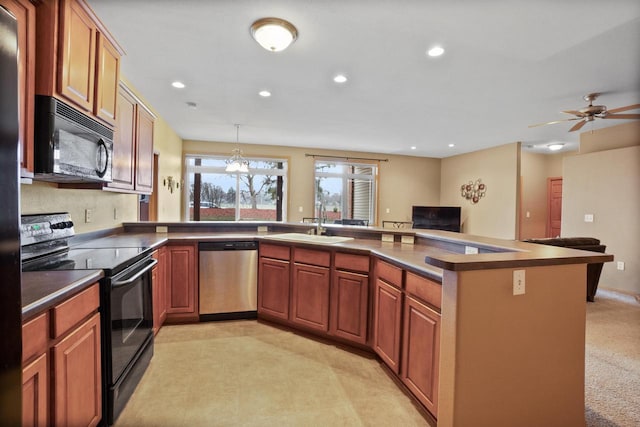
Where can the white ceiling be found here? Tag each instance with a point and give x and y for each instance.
(507, 65)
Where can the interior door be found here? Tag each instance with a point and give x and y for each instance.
(554, 211)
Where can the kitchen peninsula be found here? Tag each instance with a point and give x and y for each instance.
(523, 354)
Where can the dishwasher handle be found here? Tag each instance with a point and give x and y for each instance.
(228, 246)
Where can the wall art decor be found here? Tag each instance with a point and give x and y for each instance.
(473, 191)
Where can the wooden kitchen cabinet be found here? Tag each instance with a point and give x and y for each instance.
(310, 296)
(182, 296)
(78, 60)
(159, 289)
(25, 14)
(350, 297)
(273, 287)
(421, 352)
(132, 145)
(387, 321)
(35, 395)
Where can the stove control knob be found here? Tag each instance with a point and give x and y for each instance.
(68, 224)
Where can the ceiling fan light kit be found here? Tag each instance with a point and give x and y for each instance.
(592, 112)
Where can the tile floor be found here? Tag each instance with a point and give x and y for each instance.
(245, 373)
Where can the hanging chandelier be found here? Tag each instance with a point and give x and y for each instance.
(237, 163)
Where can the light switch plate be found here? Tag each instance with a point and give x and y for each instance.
(620, 265)
(407, 240)
(263, 229)
(518, 282)
(470, 250)
(162, 229)
(387, 238)
(588, 217)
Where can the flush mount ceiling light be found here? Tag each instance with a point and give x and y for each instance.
(178, 85)
(237, 163)
(273, 34)
(264, 93)
(435, 51)
(451, 145)
(555, 146)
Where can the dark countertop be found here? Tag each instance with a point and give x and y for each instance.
(42, 290)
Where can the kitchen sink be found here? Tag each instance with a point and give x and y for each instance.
(309, 238)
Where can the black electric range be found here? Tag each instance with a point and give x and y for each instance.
(111, 260)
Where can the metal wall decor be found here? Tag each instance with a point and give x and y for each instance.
(473, 191)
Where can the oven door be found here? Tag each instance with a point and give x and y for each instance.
(130, 314)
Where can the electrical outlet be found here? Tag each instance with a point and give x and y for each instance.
(88, 215)
(528, 214)
(115, 213)
(588, 217)
(518, 282)
(300, 209)
(620, 265)
(388, 210)
(162, 229)
(470, 250)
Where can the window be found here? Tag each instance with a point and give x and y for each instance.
(346, 192)
(217, 195)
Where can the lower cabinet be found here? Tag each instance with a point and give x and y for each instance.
(310, 296)
(421, 352)
(182, 291)
(35, 396)
(349, 306)
(273, 287)
(77, 377)
(387, 322)
(159, 289)
(62, 372)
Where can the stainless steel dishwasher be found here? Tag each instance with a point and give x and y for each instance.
(228, 280)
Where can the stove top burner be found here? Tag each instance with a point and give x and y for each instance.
(111, 260)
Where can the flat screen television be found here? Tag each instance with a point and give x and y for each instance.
(437, 217)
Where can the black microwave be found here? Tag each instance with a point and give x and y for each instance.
(69, 146)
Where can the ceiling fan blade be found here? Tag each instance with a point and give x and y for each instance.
(574, 112)
(622, 116)
(628, 107)
(578, 126)
(555, 121)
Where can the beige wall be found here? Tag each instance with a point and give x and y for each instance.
(496, 214)
(41, 197)
(404, 180)
(605, 184)
(624, 135)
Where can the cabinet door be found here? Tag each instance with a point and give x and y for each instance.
(35, 398)
(273, 287)
(25, 13)
(421, 349)
(144, 156)
(310, 296)
(107, 78)
(77, 389)
(78, 53)
(181, 275)
(162, 288)
(387, 322)
(349, 301)
(124, 149)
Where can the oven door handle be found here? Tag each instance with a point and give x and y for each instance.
(152, 262)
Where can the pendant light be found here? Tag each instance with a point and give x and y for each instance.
(237, 163)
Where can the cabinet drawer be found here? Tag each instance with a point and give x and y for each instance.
(424, 289)
(389, 273)
(75, 309)
(35, 336)
(275, 251)
(312, 257)
(352, 262)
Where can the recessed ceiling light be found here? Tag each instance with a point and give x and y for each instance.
(340, 78)
(555, 146)
(264, 93)
(178, 85)
(413, 147)
(435, 51)
(452, 145)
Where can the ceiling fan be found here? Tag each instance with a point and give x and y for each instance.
(591, 112)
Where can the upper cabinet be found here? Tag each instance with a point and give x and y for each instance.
(132, 145)
(25, 13)
(77, 58)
